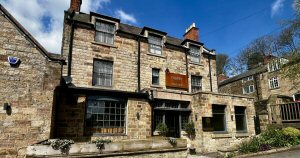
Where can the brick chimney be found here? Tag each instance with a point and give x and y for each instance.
(75, 5)
(192, 33)
(222, 77)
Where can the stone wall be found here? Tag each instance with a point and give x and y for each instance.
(286, 86)
(29, 89)
(70, 120)
(202, 107)
(124, 55)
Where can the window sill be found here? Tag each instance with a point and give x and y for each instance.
(156, 55)
(104, 44)
(194, 63)
(108, 134)
(242, 134)
(221, 135)
(274, 88)
(102, 87)
(156, 86)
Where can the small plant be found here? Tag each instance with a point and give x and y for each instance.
(60, 144)
(190, 129)
(250, 146)
(291, 132)
(172, 140)
(265, 147)
(100, 143)
(162, 129)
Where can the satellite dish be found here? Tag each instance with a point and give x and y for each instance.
(13, 61)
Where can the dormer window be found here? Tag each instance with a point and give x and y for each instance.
(155, 44)
(195, 54)
(105, 32)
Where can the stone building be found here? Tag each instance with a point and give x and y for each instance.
(28, 77)
(265, 83)
(120, 81)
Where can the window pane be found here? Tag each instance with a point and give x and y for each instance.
(105, 27)
(195, 53)
(102, 115)
(196, 83)
(219, 120)
(155, 44)
(240, 118)
(103, 71)
(155, 76)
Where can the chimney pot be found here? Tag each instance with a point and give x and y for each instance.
(192, 33)
(76, 5)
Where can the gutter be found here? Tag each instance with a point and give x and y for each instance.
(71, 43)
(209, 63)
(186, 65)
(139, 63)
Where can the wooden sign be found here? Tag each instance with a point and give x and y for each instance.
(177, 81)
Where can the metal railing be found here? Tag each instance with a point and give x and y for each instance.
(288, 112)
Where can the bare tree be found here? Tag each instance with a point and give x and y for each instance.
(222, 63)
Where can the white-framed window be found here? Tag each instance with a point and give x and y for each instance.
(248, 89)
(195, 54)
(274, 82)
(196, 83)
(249, 78)
(273, 65)
(105, 32)
(155, 76)
(155, 44)
(102, 73)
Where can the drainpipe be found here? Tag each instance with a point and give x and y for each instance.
(209, 62)
(71, 45)
(256, 88)
(139, 63)
(186, 65)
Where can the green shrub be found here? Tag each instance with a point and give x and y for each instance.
(250, 146)
(190, 129)
(162, 129)
(291, 132)
(274, 137)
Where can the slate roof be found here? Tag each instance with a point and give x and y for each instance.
(251, 72)
(42, 50)
(134, 30)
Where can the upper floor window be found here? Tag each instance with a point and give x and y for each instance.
(195, 53)
(103, 73)
(248, 89)
(105, 32)
(274, 82)
(155, 76)
(196, 83)
(240, 118)
(249, 78)
(219, 117)
(155, 44)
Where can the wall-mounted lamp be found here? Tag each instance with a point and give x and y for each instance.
(196, 117)
(6, 106)
(138, 115)
(231, 117)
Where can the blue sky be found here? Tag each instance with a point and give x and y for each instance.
(225, 25)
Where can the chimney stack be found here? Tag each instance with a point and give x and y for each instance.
(75, 5)
(192, 33)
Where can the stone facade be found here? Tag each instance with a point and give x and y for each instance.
(28, 88)
(262, 90)
(131, 44)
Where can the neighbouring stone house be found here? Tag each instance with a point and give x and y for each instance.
(28, 77)
(265, 83)
(120, 81)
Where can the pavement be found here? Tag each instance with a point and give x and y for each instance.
(285, 154)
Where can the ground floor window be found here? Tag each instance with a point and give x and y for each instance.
(219, 118)
(240, 118)
(105, 115)
(174, 114)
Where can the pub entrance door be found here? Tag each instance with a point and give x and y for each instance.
(175, 114)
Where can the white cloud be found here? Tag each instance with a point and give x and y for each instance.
(30, 14)
(276, 7)
(125, 17)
